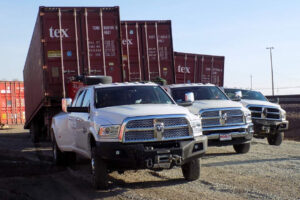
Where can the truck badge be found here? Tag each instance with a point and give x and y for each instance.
(158, 129)
(223, 118)
(264, 113)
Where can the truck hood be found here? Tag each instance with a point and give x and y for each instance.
(117, 114)
(211, 104)
(247, 102)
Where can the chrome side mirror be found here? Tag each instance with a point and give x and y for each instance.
(238, 95)
(65, 103)
(189, 97)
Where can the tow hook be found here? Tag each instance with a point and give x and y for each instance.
(149, 163)
(177, 159)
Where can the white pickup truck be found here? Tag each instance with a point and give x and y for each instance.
(269, 118)
(122, 126)
(224, 122)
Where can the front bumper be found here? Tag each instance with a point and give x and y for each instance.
(165, 154)
(229, 135)
(264, 127)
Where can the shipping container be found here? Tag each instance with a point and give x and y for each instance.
(68, 42)
(199, 68)
(12, 106)
(147, 49)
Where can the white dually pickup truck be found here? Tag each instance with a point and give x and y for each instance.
(224, 122)
(122, 126)
(269, 119)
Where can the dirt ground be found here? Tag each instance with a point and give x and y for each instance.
(266, 172)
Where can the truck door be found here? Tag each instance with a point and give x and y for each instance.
(84, 121)
(75, 119)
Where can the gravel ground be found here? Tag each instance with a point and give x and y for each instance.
(266, 172)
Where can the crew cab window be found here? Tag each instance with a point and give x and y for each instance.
(87, 98)
(79, 99)
(200, 93)
(116, 96)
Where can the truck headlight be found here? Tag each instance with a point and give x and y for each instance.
(282, 115)
(109, 131)
(248, 118)
(196, 126)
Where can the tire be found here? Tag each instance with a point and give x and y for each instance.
(242, 148)
(276, 139)
(191, 170)
(59, 158)
(34, 132)
(99, 171)
(71, 158)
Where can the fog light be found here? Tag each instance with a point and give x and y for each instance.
(196, 146)
(118, 152)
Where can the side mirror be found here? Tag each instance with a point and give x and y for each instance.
(65, 103)
(238, 95)
(274, 100)
(189, 99)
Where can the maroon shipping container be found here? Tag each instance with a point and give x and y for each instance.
(67, 42)
(147, 49)
(198, 68)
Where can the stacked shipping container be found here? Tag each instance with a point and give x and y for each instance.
(198, 68)
(12, 106)
(68, 42)
(147, 49)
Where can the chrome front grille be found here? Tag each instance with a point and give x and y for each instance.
(264, 112)
(222, 117)
(156, 128)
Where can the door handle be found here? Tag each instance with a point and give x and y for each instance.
(78, 120)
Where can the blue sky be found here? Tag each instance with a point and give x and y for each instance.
(239, 30)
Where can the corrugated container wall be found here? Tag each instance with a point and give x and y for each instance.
(198, 68)
(12, 106)
(68, 42)
(147, 49)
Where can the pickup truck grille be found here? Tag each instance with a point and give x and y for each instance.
(222, 117)
(156, 129)
(262, 112)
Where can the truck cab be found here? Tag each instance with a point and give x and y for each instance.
(122, 126)
(269, 118)
(224, 122)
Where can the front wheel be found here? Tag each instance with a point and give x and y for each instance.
(276, 139)
(99, 171)
(242, 148)
(59, 158)
(191, 170)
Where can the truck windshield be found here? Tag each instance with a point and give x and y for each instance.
(246, 94)
(128, 95)
(200, 93)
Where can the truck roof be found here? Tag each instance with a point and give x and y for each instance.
(190, 85)
(124, 84)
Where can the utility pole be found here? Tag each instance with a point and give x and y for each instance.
(251, 81)
(270, 48)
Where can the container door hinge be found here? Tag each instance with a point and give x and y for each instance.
(42, 14)
(45, 67)
(43, 40)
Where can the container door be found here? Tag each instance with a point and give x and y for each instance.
(206, 68)
(218, 71)
(132, 52)
(101, 38)
(158, 51)
(185, 67)
(61, 30)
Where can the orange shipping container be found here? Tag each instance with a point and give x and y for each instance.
(12, 106)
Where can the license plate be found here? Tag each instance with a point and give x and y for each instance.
(225, 137)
